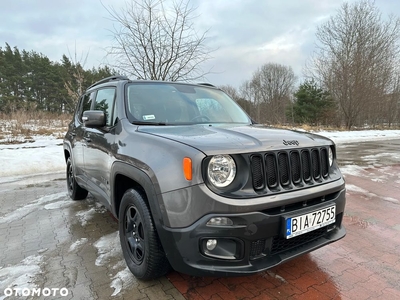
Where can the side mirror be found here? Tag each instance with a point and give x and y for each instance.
(94, 118)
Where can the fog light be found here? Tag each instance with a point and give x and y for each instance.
(220, 221)
(222, 248)
(211, 244)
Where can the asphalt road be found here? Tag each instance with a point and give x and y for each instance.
(48, 242)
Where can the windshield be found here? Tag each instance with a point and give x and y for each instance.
(162, 103)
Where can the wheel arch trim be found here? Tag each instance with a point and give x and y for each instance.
(142, 179)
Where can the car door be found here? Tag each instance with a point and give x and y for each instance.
(100, 142)
(76, 136)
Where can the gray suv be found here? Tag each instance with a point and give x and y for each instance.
(196, 184)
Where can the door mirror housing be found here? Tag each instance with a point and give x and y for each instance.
(94, 118)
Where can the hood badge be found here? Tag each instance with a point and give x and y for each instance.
(291, 143)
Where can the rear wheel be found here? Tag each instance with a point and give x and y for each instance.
(75, 191)
(140, 244)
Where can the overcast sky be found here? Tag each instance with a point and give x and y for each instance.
(246, 33)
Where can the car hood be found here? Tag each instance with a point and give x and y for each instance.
(231, 139)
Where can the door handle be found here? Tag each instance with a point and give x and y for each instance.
(72, 134)
(87, 139)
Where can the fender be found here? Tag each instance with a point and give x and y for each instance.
(67, 147)
(151, 189)
(79, 177)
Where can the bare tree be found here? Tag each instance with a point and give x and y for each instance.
(74, 82)
(156, 42)
(392, 103)
(356, 59)
(247, 105)
(270, 89)
(231, 91)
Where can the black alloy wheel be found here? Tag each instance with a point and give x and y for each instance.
(75, 191)
(134, 234)
(140, 244)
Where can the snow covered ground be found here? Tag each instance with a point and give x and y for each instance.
(342, 137)
(45, 154)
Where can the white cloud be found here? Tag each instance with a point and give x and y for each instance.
(247, 34)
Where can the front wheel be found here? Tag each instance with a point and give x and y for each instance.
(140, 244)
(75, 191)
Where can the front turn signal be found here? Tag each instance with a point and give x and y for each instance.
(187, 168)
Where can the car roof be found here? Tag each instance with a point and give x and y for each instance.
(125, 78)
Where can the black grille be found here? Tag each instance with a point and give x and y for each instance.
(315, 164)
(324, 163)
(305, 162)
(289, 169)
(296, 167)
(257, 172)
(272, 178)
(280, 244)
(257, 248)
(283, 163)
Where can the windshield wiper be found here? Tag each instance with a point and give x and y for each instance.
(149, 123)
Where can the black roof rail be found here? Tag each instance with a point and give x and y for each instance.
(206, 84)
(107, 79)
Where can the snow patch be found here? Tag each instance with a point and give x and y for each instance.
(122, 279)
(85, 216)
(353, 170)
(274, 275)
(380, 179)
(22, 212)
(387, 170)
(57, 205)
(390, 199)
(376, 156)
(354, 188)
(43, 155)
(22, 275)
(360, 135)
(108, 247)
(75, 246)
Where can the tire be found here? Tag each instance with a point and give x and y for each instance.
(140, 244)
(75, 191)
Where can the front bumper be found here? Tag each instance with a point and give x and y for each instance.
(254, 243)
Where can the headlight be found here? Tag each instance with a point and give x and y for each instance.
(221, 170)
(330, 156)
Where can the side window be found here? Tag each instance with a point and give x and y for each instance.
(86, 102)
(105, 102)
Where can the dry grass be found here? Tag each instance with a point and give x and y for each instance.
(311, 128)
(21, 126)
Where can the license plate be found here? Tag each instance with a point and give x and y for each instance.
(308, 222)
